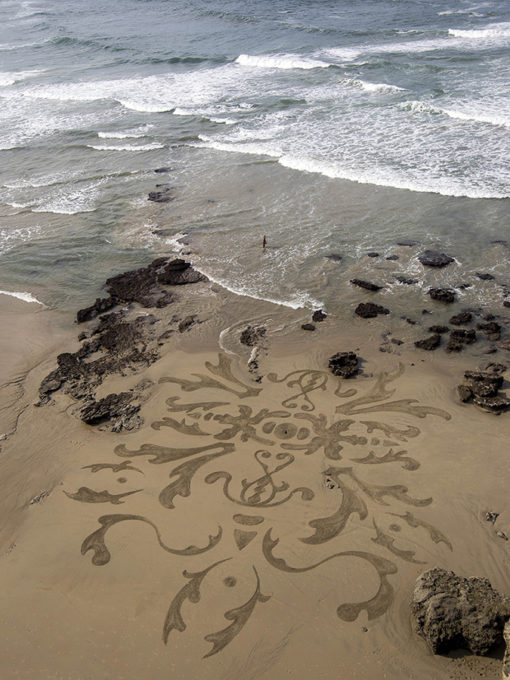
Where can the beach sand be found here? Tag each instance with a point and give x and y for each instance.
(249, 528)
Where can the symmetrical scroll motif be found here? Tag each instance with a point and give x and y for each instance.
(308, 485)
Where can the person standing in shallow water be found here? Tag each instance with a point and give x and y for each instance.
(263, 243)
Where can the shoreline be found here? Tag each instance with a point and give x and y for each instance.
(403, 430)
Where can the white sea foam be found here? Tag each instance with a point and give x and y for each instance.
(10, 77)
(282, 61)
(297, 301)
(468, 114)
(10, 238)
(490, 32)
(125, 134)
(127, 147)
(26, 297)
(374, 87)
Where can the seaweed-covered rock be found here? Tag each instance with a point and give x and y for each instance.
(430, 343)
(433, 258)
(453, 612)
(369, 310)
(344, 364)
(367, 285)
(442, 295)
(461, 318)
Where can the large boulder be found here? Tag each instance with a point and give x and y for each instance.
(442, 295)
(453, 612)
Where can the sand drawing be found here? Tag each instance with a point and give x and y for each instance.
(252, 458)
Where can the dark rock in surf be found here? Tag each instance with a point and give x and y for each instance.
(461, 318)
(369, 310)
(366, 285)
(439, 329)
(433, 258)
(392, 258)
(308, 326)
(319, 316)
(442, 295)
(453, 612)
(459, 338)
(484, 277)
(344, 364)
(335, 257)
(406, 281)
(492, 329)
(372, 254)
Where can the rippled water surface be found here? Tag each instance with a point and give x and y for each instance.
(335, 128)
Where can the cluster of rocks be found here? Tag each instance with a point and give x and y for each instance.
(120, 343)
(317, 317)
(460, 337)
(482, 388)
(451, 612)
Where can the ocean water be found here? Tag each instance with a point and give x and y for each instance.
(333, 127)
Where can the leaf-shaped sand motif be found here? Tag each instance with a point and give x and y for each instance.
(436, 535)
(86, 495)
(378, 492)
(388, 542)
(239, 616)
(182, 485)
(327, 528)
(390, 457)
(191, 592)
(114, 467)
(179, 425)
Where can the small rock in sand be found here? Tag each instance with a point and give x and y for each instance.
(344, 364)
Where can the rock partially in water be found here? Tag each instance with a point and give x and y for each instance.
(459, 338)
(372, 254)
(409, 244)
(492, 329)
(406, 281)
(434, 258)
(319, 316)
(100, 306)
(442, 295)
(308, 326)
(392, 258)
(344, 364)
(461, 318)
(251, 336)
(334, 257)
(164, 195)
(452, 612)
(186, 323)
(439, 329)
(369, 310)
(367, 285)
(485, 277)
(430, 343)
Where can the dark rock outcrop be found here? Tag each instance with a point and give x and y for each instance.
(406, 281)
(482, 387)
(367, 285)
(369, 310)
(430, 343)
(492, 329)
(251, 336)
(453, 612)
(100, 306)
(433, 258)
(372, 254)
(484, 277)
(319, 316)
(442, 295)
(461, 318)
(439, 329)
(113, 406)
(344, 364)
(460, 337)
(308, 326)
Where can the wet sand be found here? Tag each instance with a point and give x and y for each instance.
(249, 529)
